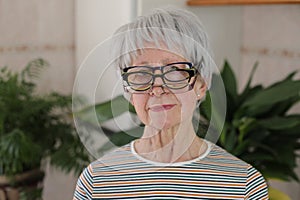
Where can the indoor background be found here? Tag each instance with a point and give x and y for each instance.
(63, 33)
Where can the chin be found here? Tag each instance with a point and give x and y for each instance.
(163, 125)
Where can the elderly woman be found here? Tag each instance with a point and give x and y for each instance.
(164, 76)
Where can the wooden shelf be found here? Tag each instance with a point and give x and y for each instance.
(238, 2)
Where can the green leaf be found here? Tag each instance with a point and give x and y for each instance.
(19, 151)
(242, 111)
(32, 126)
(231, 140)
(71, 155)
(229, 80)
(275, 109)
(289, 77)
(275, 170)
(218, 103)
(247, 87)
(33, 69)
(125, 137)
(259, 134)
(205, 107)
(230, 86)
(104, 111)
(262, 147)
(286, 154)
(277, 93)
(248, 91)
(258, 156)
(293, 132)
(279, 109)
(245, 126)
(223, 136)
(280, 123)
(241, 147)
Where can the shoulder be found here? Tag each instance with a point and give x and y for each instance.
(110, 159)
(218, 154)
(89, 175)
(255, 184)
(84, 186)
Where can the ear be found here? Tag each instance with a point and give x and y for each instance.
(200, 88)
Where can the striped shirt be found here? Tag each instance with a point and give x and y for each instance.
(123, 174)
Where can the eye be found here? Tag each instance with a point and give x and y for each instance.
(139, 78)
(177, 75)
(175, 66)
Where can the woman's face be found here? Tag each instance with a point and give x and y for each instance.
(162, 109)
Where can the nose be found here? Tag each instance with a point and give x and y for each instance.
(157, 90)
(158, 79)
(158, 84)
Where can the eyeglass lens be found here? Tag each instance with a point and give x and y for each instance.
(175, 76)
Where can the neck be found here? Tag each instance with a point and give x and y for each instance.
(176, 144)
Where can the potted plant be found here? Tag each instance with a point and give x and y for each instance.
(258, 127)
(34, 129)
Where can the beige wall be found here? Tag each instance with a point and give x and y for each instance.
(96, 20)
(271, 35)
(39, 28)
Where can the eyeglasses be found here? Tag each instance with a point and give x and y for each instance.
(175, 76)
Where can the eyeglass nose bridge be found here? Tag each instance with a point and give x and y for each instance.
(161, 68)
(161, 76)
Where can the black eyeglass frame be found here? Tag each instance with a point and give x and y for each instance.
(191, 71)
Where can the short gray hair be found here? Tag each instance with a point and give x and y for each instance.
(179, 30)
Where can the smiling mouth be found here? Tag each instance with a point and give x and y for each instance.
(159, 108)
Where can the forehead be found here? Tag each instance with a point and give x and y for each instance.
(156, 56)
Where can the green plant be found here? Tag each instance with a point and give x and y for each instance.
(258, 127)
(33, 127)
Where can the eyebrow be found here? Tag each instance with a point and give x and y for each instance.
(164, 61)
(144, 63)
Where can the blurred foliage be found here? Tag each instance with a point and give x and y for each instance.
(258, 128)
(36, 127)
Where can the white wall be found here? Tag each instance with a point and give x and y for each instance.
(96, 20)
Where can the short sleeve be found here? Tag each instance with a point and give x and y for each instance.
(84, 187)
(256, 187)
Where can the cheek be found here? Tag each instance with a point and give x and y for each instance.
(139, 103)
(188, 103)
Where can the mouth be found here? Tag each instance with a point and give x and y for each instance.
(163, 107)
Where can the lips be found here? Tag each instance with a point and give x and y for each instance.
(163, 107)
